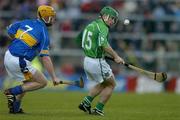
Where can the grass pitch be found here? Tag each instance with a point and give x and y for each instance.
(43, 105)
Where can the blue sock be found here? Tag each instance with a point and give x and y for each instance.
(16, 90)
(16, 105)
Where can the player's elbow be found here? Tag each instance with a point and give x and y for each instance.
(11, 36)
(45, 58)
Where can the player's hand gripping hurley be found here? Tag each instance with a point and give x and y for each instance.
(160, 77)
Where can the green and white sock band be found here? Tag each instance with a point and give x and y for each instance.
(87, 100)
(100, 106)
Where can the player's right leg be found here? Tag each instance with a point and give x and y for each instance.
(13, 68)
(18, 102)
(38, 81)
(15, 94)
(15, 107)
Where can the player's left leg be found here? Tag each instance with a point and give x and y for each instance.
(85, 105)
(98, 70)
(108, 84)
(105, 95)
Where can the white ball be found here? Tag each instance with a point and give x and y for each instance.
(126, 22)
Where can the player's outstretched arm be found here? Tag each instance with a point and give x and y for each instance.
(49, 66)
(113, 54)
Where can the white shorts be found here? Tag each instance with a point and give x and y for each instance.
(97, 69)
(13, 69)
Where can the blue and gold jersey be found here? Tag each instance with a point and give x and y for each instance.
(31, 39)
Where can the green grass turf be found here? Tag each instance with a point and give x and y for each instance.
(43, 105)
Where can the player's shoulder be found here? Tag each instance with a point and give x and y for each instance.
(25, 22)
(100, 25)
(32, 22)
(92, 25)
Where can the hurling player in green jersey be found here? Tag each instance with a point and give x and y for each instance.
(94, 42)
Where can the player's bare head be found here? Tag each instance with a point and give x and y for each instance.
(47, 14)
(109, 15)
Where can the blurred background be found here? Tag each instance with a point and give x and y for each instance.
(150, 41)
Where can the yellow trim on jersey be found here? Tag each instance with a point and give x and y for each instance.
(44, 52)
(26, 37)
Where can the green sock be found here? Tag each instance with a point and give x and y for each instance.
(100, 106)
(88, 99)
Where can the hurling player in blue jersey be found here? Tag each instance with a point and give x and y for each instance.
(29, 39)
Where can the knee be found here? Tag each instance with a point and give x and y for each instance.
(40, 79)
(113, 84)
(43, 83)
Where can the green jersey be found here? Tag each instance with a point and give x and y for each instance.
(93, 38)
